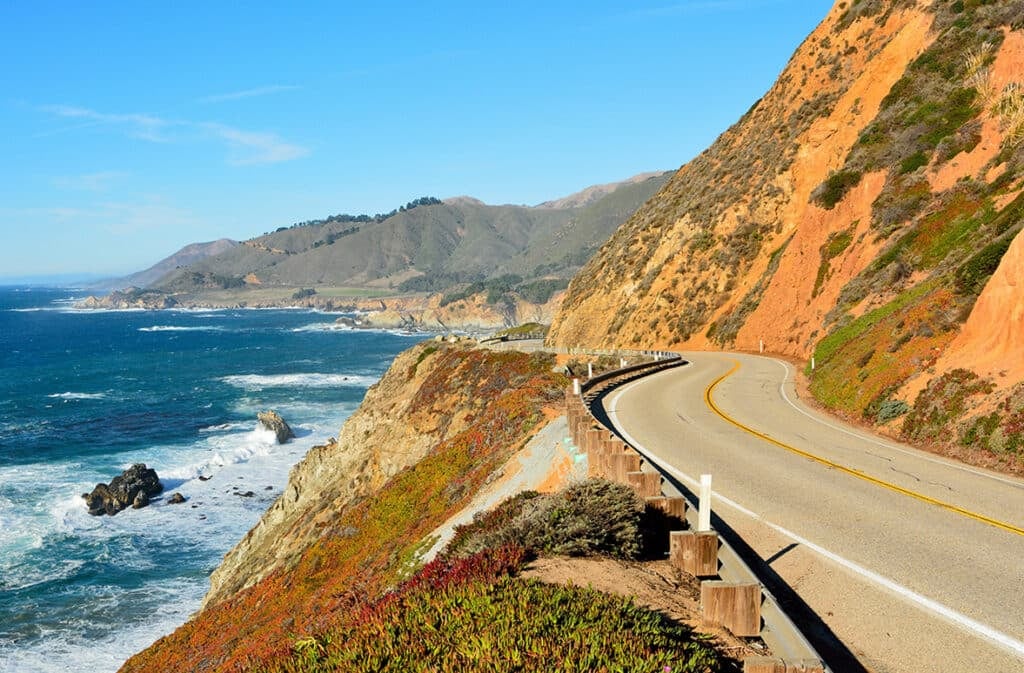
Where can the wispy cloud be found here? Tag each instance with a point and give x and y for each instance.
(152, 214)
(114, 218)
(249, 148)
(100, 181)
(248, 93)
(138, 125)
(245, 148)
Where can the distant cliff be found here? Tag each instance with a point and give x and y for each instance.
(858, 213)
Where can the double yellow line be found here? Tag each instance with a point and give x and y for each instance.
(709, 400)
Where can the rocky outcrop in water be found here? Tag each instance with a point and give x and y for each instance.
(272, 421)
(131, 298)
(132, 488)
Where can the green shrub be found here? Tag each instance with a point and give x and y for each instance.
(835, 187)
(592, 517)
(913, 162)
(975, 272)
(541, 291)
(944, 401)
(890, 409)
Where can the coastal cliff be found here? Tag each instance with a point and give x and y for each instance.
(859, 214)
(357, 511)
(394, 427)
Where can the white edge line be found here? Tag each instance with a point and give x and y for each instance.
(961, 620)
(889, 445)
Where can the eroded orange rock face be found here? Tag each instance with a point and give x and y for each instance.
(991, 342)
(870, 59)
(882, 161)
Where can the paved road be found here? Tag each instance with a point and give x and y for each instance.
(915, 562)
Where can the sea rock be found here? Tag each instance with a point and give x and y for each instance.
(140, 500)
(176, 499)
(272, 421)
(133, 487)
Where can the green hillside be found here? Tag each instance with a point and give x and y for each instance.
(429, 245)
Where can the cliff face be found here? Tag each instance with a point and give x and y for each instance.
(357, 512)
(394, 427)
(471, 313)
(855, 213)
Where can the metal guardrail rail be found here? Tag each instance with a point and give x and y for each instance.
(779, 632)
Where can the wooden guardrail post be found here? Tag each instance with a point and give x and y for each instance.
(673, 506)
(622, 463)
(694, 552)
(736, 606)
(644, 483)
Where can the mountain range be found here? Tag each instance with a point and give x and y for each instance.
(428, 245)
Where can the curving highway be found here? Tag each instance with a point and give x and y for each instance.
(915, 562)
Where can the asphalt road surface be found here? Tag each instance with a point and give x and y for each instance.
(915, 562)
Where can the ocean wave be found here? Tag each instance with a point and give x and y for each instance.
(182, 328)
(323, 327)
(304, 380)
(79, 647)
(224, 427)
(78, 396)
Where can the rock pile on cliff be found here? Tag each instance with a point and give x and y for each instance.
(133, 487)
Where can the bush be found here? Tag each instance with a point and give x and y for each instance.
(541, 291)
(890, 409)
(913, 162)
(975, 272)
(943, 402)
(832, 191)
(593, 517)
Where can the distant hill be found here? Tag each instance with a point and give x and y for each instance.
(589, 195)
(426, 245)
(190, 254)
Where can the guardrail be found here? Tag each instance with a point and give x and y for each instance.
(732, 595)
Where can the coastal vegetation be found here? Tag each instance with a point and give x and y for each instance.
(355, 597)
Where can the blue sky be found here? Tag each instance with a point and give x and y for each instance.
(133, 129)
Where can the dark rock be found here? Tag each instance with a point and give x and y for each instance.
(272, 421)
(140, 500)
(133, 487)
(176, 499)
(246, 494)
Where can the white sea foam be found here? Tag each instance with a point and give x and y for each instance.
(72, 649)
(182, 328)
(305, 380)
(78, 396)
(224, 427)
(323, 327)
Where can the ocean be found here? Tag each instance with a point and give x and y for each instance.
(85, 394)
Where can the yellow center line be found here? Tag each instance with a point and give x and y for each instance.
(709, 400)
